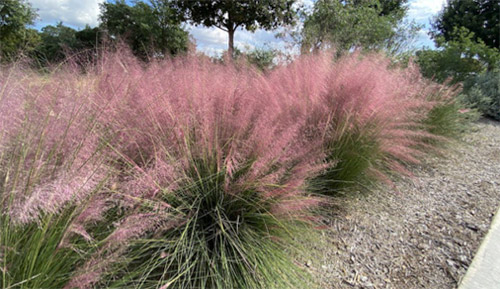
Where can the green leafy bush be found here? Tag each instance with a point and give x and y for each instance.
(483, 92)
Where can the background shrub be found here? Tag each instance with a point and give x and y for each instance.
(483, 93)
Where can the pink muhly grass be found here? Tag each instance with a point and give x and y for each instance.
(199, 149)
(11, 102)
(51, 197)
(114, 247)
(186, 130)
(49, 145)
(361, 96)
(175, 112)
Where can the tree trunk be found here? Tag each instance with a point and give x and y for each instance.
(230, 48)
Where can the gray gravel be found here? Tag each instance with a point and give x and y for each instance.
(424, 231)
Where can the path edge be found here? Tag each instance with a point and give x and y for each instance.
(484, 271)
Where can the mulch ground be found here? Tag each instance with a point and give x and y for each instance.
(421, 233)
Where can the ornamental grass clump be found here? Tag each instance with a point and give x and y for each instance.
(188, 174)
(449, 118)
(372, 114)
(50, 163)
(211, 179)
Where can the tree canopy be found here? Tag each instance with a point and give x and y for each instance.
(54, 40)
(150, 30)
(351, 24)
(230, 15)
(15, 35)
(466, 34)
(59, 40)
(458, 59)
(482, 17)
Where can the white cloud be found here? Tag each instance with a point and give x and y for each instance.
(208, 36)
(214, 41)
(211, 51)
(306, 4)
(423, 39)
(243, 46)
(76, 13)
(424, 10)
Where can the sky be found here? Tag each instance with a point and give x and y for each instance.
(78, 13)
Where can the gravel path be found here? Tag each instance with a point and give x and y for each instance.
(422, 233)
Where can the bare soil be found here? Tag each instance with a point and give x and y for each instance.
(421, 233)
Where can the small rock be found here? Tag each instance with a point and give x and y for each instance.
(327, 268)
(423, 246)
(462, 259)
(472, 227)
(458, 241)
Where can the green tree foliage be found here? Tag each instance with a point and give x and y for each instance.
(230, 15)
(351, 24)
(15, 36)
(458, 59)
(262, 58)
(466, 34)
(482, 17)
(483, 92)
(57, 42)
(150, 30)
(88, 38)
